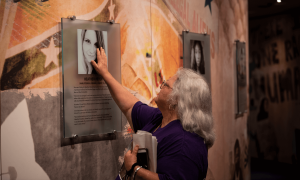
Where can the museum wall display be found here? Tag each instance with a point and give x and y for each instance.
(88, 107)
(151, 50)
(241, 78)
(196, 53)
(274, 87)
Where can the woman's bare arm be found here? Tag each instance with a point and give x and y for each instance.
(124, 99)
(144, 174)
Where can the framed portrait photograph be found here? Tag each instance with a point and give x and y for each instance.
(241, 78)
(88, 108)
(196, 53)
(197, 56)
(88, 41)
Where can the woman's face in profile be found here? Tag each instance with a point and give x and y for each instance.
(90, 45)
(197, 54)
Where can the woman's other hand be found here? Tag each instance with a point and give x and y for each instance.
(130, 158)
(101, 66)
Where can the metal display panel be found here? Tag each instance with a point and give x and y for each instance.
(241, 78)
(196, 53)
(88, 108)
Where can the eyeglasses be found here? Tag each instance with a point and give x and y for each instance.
(164, 84)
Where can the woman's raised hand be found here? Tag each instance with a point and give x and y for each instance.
(101, 66)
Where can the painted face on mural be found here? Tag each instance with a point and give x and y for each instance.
(197, 54)
(90, 45)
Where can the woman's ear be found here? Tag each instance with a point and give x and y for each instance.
(172, 106)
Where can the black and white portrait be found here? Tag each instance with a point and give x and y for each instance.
(241, 79)
(88, 42)
(196, 53)
(197, 57)
(241, 66)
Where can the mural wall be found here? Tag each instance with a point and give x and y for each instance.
(31, 81)
(274, 87)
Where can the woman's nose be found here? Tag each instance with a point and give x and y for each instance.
(92, 50)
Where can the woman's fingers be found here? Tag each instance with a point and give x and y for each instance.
(130, 157)
(94, 63)
(128, 153)
(101, 65)
(128, 161)
(98, 52)
(135, 150)
(101, 54)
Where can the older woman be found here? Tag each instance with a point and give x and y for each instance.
(182, 123)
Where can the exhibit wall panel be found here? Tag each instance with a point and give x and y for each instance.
(231, 132)
(275, 87)
(31, 80)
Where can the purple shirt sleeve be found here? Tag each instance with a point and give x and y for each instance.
(143, 114)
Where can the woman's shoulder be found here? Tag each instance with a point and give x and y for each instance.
(143, 114)
(190, 138)
(146, 111)
(142, 107)
(194, 147)
(194, 141)
(186, 144)
(174, 134)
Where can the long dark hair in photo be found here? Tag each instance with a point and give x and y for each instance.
(201, 67)
(100, 40)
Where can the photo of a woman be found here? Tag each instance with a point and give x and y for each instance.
(241, 67)
(197, 57)
(88, 42)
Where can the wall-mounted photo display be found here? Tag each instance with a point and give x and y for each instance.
(196, 53)
(88, 108)
(88, 41)
(241, 78)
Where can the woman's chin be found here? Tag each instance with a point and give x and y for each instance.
(155, 99)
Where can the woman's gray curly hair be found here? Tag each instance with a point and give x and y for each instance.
(191, 95)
